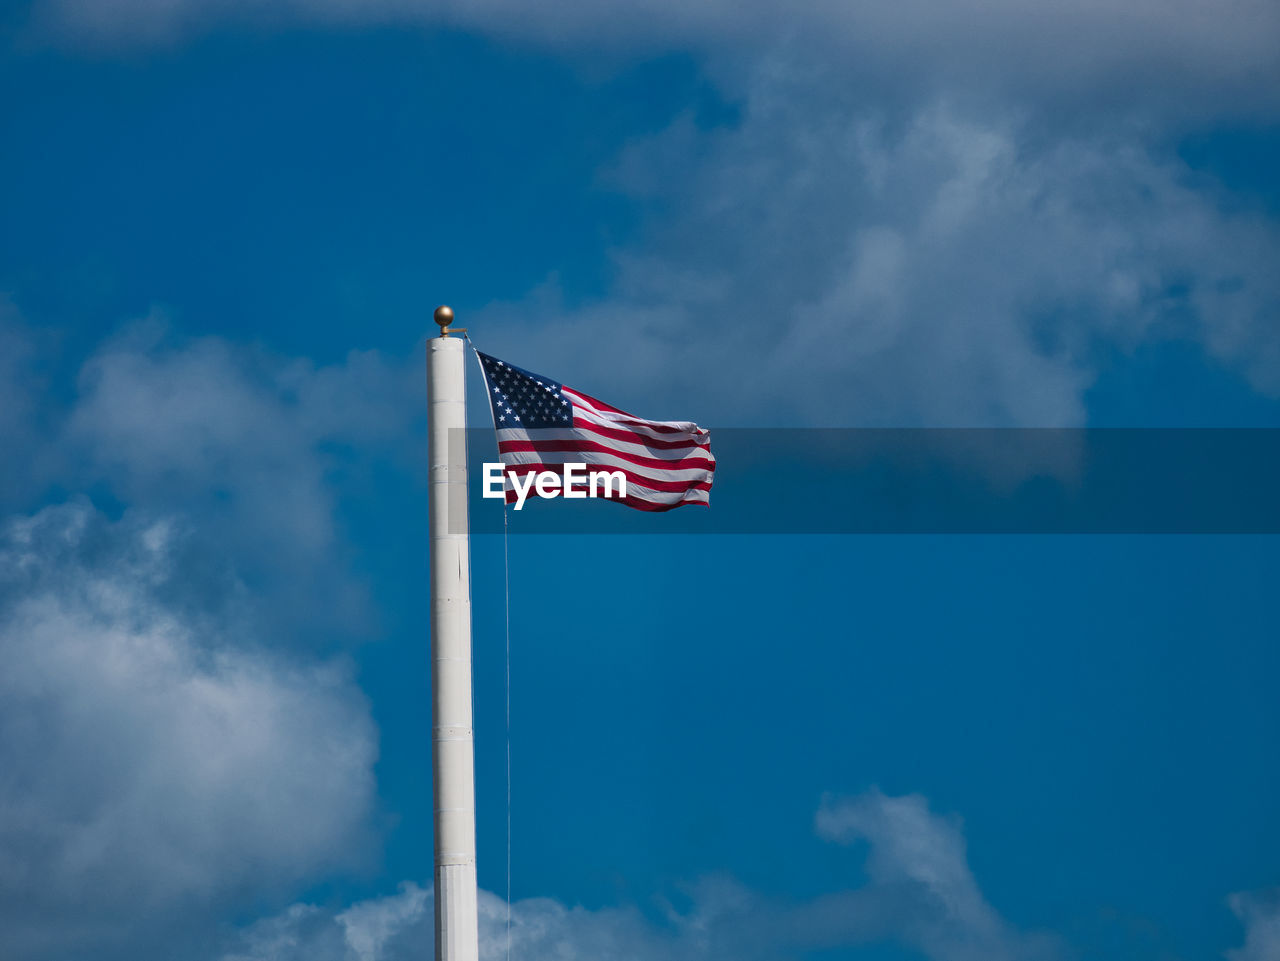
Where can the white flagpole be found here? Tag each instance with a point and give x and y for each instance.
(453, 759)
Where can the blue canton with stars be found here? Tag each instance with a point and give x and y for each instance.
(522, 399)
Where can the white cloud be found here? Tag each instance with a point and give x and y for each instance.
(1259, 911)
(247, 443)
(301, 931)
(205, 417)
(922, 858)
(921, 894)
(155, 769)
(848, 256)
(1186, 54)
(369, 925)
(949, 269)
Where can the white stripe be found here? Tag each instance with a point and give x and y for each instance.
(632, 422)
(626, 447)
(683, 474)
(586, 416)
(668, 497)
(652, 496)
(584, 402)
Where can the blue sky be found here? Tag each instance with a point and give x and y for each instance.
(223, 232)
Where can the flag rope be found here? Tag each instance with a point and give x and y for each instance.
(506, 615)
(506, 582)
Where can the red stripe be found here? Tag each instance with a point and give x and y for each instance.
(564, 446)
(639, 503)
(673, 487)
(631, 418)
(642, 439)
(597, 404)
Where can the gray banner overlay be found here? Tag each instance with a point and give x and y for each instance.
(945, 481)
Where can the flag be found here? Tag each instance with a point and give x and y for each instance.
(543, 425)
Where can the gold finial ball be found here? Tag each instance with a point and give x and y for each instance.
(443, 316)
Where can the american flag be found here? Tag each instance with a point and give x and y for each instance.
(542, 425)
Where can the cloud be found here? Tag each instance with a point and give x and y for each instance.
(841, 255)
(173, 748)
(1186, 54)
(400, 927)
(1259, 912)
(155, 769)
(921, 858)
(254, 446)
(256, 457)
(947, 269)
(921, 893)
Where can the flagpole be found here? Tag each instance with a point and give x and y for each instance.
(452, 755)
